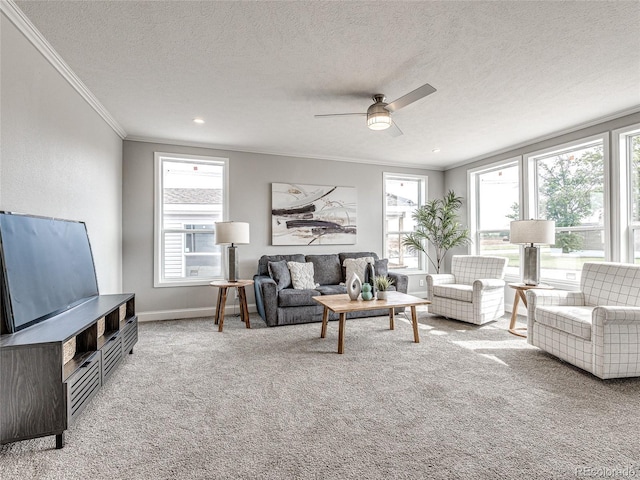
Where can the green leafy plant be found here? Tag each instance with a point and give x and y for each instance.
(437, 224)
(382, 282)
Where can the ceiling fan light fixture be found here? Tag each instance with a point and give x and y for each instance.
(378, 117)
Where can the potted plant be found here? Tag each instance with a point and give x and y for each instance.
(437, 223)
(382, 283)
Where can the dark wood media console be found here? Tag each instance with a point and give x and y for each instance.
(49, 372)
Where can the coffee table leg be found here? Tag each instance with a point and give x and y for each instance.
(223, 301)
(343, 320)
(414, 320)
(392, 316)
(244, 309)
(325, 320)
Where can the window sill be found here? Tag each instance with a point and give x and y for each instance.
(186, 283)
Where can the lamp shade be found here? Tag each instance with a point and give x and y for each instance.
(541, 232)
(232, 232)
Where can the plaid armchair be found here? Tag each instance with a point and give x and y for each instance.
(473, 292)
(596, 328)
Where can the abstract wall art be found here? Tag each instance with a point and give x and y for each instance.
(313, 214)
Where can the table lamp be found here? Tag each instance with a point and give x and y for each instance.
(232, 233)
(532, 233)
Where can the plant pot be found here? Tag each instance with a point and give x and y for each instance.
(382, 295)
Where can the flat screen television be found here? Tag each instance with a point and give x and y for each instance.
(46, 267)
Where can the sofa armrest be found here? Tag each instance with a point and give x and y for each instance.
(266, 293)
(488, 284)
(619, 315)
(400, 281)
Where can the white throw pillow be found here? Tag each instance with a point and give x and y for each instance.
(301, 275)
(357, 265)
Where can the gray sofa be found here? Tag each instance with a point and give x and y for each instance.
(286, 306)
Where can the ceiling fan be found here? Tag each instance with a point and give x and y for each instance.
(379, 114)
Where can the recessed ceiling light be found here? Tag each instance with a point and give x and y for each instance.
(198, 120)
(435, 150)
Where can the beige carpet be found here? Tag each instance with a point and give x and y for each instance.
(277, 403)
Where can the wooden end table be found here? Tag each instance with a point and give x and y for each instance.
(342, 304)
(520, 289)
(223, 286)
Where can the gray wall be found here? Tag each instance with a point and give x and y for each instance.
(58, 156)
(250, 177)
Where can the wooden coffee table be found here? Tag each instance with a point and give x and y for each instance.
(342, 304)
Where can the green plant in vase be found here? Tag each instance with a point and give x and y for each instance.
(382, 284)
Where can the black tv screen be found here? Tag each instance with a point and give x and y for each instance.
(46, 267)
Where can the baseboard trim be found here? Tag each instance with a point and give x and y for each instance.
(179, 314)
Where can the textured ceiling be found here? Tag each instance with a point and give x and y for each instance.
(257, 72)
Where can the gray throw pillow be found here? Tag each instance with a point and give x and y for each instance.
(279, 271)
(382, 267)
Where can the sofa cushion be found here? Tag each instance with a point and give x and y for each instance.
(331, 289)
(575, 320)
(357, 266)
(263, 263)
(454, 291)
(343, 256)
(301, 275)
(290, 297)
(326, 269)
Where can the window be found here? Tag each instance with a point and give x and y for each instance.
(568, 186)
(495, 190)
(403, 194)
(190, 197)
(631, 153)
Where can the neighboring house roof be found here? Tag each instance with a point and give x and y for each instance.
(204, 196)
(395, 200)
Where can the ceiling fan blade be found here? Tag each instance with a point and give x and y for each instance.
(394, 130)
(411, 97)
(339, 115)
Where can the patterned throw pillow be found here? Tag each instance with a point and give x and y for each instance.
(301, 275)
(279, 271)
(356, 265)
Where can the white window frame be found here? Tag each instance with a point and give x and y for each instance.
(473, 215)
(158, 231)
(424, 189)
(621, 203)
(529, 207)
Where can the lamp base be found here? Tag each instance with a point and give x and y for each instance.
(531, 271)
(232, 267)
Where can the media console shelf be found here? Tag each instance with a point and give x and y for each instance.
(51, 370)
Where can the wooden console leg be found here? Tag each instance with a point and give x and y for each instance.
(59, 440)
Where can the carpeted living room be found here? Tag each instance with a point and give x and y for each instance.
(309, 240)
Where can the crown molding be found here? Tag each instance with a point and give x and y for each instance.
(24, 25)
(186, 143)
(566, 131)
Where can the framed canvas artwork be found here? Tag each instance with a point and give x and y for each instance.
(313, 214)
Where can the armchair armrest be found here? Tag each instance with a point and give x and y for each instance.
(400, 281)
(488, 284)
(619, 315)
(266, 293)
(554, 298)
(438, 279)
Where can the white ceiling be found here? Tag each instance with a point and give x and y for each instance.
(506, 72)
